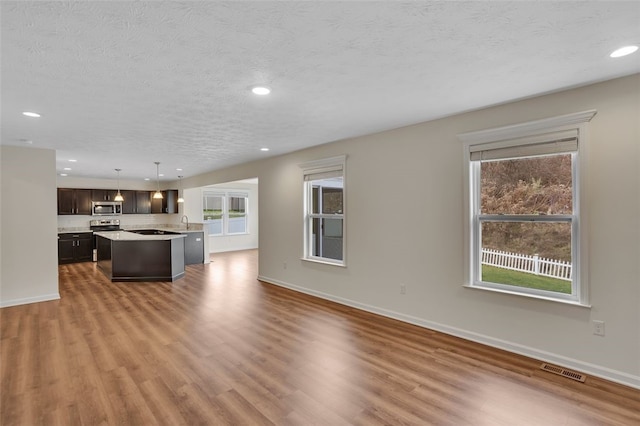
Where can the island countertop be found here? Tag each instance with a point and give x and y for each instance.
(132, 236)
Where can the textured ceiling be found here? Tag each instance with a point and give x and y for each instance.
(124, 84)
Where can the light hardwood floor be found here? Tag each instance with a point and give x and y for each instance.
(219, 347)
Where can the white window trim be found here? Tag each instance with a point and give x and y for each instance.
(315, 167)
(246, 212)
(225, 194)
(527, 133)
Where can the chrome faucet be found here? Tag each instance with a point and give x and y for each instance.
(182, 220)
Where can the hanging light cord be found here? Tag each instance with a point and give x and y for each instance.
(158, 194)
(118, 196)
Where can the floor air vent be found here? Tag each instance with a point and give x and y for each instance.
(563, 372)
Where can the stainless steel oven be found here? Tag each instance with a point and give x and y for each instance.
(102, 225)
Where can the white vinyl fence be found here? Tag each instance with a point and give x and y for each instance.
(532, 264)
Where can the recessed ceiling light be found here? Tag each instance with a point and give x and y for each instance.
(260, 90)
(623, 51)
(67, 168)
(72, 161)
(179, 170)
(147, 179)
(31, 114)
(63, 174)
(264, 149)
(161, 174)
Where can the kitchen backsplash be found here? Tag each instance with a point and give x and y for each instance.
(80, 222)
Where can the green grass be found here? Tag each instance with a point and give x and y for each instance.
(523, 279)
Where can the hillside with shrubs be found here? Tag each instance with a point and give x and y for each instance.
(532, 186)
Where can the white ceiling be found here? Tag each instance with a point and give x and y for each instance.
(124, 84)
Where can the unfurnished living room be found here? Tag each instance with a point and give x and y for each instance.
(327, 213)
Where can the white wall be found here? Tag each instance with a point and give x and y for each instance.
(420, 167)
(224, 243)
(28, 228)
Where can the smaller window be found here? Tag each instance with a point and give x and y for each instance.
(237, 214)
(324, 219)
(225, 213)
(213, 208)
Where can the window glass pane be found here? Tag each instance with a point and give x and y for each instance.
(326, 239)
(215, 227)
(315, 200)
(332, 200)
(237, 224)
(237, 206)
(212, 209)
(534, 185)
(327, 196)
(237, 215)
(527, 254)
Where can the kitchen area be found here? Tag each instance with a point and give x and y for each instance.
(140, 238)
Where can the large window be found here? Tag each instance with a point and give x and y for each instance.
(225, 213)
(525, 225)
(324, 223)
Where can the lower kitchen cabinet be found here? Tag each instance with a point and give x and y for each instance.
(193, 248)
(75, 247)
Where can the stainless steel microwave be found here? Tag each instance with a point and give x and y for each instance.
(106, 208)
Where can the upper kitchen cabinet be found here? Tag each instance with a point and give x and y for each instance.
(103, 194)
(129, 203)
(136, 202)
(143, 202)
(168, 203)
(74, 201)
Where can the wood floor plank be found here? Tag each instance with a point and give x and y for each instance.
(219, 347)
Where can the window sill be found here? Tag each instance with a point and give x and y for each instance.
(324, 261)
(531, 296)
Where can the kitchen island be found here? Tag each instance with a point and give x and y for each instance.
(129, 256)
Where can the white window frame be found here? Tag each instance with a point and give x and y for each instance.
(226, 195)
(236, 194)
(220, 194)
(318, 168)
(521, 138)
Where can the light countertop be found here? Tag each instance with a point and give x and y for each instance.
(180, 230)
(73, 231)
(132, 236)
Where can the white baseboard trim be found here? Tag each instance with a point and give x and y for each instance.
(584, 367)
(27, 300)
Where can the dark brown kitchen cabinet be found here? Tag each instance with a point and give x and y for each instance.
(171, 198)
(143, 202)
(129, 203)
(168, 203)
(75, 247)
(74, 201)
(103, 194)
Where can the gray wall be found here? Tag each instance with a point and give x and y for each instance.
(28, 231)
(421, 167)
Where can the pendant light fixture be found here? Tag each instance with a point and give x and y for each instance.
(157, 195)
(180, 199)
(118, 196)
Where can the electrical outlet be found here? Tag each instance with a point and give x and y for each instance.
(403, 289)
(598, 327)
